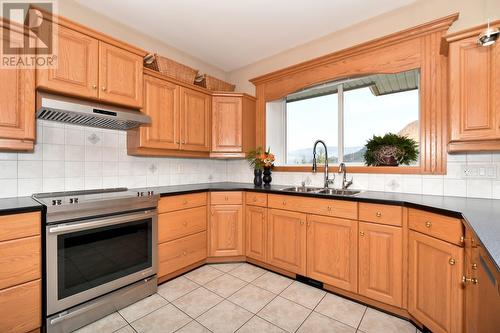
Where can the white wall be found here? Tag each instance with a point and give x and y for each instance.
(69, 157)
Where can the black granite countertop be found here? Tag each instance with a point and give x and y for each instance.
(18, 205)
(481, 215)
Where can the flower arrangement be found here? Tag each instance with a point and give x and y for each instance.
(260, 160)
(390, 150)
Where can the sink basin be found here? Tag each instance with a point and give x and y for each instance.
(334, 191)
(302, 189)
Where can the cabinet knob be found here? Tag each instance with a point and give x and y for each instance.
(103, 88)
(474, 266)
(428, 224)
(465, 280)
(94, 86)
(378, 214)
(361, 233)
(329, 208)
(284, 203)
(452, 261)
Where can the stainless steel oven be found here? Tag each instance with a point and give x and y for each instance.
(89, 258)
(100, 254)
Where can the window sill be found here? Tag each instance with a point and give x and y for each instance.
(356, 169)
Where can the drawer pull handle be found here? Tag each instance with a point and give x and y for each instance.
(379, 214)
(452, 261)
(184, 202)
(329, 208)
(428, 224)
(284, 203)
(471, 280)
(361, 233)
(225, 198)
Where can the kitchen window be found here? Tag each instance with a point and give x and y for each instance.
(345, 114)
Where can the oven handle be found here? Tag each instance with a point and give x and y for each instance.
(91, 224)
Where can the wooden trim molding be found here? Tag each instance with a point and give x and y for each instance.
(417, 47)
(354, 169)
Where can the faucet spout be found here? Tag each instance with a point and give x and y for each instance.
(343, 171)
(327, 181)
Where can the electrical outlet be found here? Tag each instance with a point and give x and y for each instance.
(479, 171)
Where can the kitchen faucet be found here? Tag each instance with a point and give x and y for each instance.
(315, 165)
(343, 171)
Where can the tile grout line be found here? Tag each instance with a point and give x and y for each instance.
(298, 328)
(362, 317)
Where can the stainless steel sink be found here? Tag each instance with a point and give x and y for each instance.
(302, 189)
(334, 191)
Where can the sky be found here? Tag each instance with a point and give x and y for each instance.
(364, 116)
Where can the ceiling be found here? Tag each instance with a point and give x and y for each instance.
(231, 34)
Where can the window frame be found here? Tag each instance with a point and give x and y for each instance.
(340, 139)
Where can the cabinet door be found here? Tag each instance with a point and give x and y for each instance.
(226, 231)
(380, 262)
(286, 242)
(332, 251)
(120, 76)
(161, 103)
(77, 66)
(256, 232)
(17, 107)
(474, 95)
(195, 120)
(435, 295)
(227, 124)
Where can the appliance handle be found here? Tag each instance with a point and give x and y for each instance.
(92, 224)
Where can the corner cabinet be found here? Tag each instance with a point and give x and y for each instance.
(256, 232)
(17, 107)
(226, 236)
(90, 68)
(233, 125)
(474, 93)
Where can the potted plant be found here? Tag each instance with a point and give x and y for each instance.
(390, 150)
(261, 162)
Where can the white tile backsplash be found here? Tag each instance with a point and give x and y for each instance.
(69, 157)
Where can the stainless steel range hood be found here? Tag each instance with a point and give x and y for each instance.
(79, 112)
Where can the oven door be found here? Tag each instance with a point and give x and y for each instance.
(89, 258)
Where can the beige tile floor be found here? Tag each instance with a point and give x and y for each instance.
(239, 297)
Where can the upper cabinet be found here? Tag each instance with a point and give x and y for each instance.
(195, 120)
(90, 68)
(233, 125)
(474, 93)
(77, 69)
(17, 107)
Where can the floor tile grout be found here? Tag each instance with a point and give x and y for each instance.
(298, 328)
(362, 317)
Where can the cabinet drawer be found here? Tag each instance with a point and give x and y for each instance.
(19, 225)
(181, 223)
(177, 202)
(383, 214)
(226, 198)
(328, 207)
(19, 261)
(446, 228)
(20, 308)
(256, 199)
(182, 252)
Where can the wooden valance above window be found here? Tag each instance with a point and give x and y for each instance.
(417, 47)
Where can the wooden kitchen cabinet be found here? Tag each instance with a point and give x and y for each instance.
(233, 124)
(226, 231)
(286, 241)
(195, 120)
(435, 295)
(256, 232)
(120, 76)
(474, 93)
(381, 263)
(161, 103)
(77, 68)
(332, 251)
(17, 106)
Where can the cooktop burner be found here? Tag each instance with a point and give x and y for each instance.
(89, 203)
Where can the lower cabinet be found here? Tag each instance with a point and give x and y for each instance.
(182, 252)
(435, 289)
(286, 236)
(381, 263)
(256, 232)
(226, 231)
(20, 307)
(332, 251)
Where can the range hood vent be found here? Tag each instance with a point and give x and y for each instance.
(78, 112)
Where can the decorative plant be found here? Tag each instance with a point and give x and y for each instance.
(390, 150)
(259, 159)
